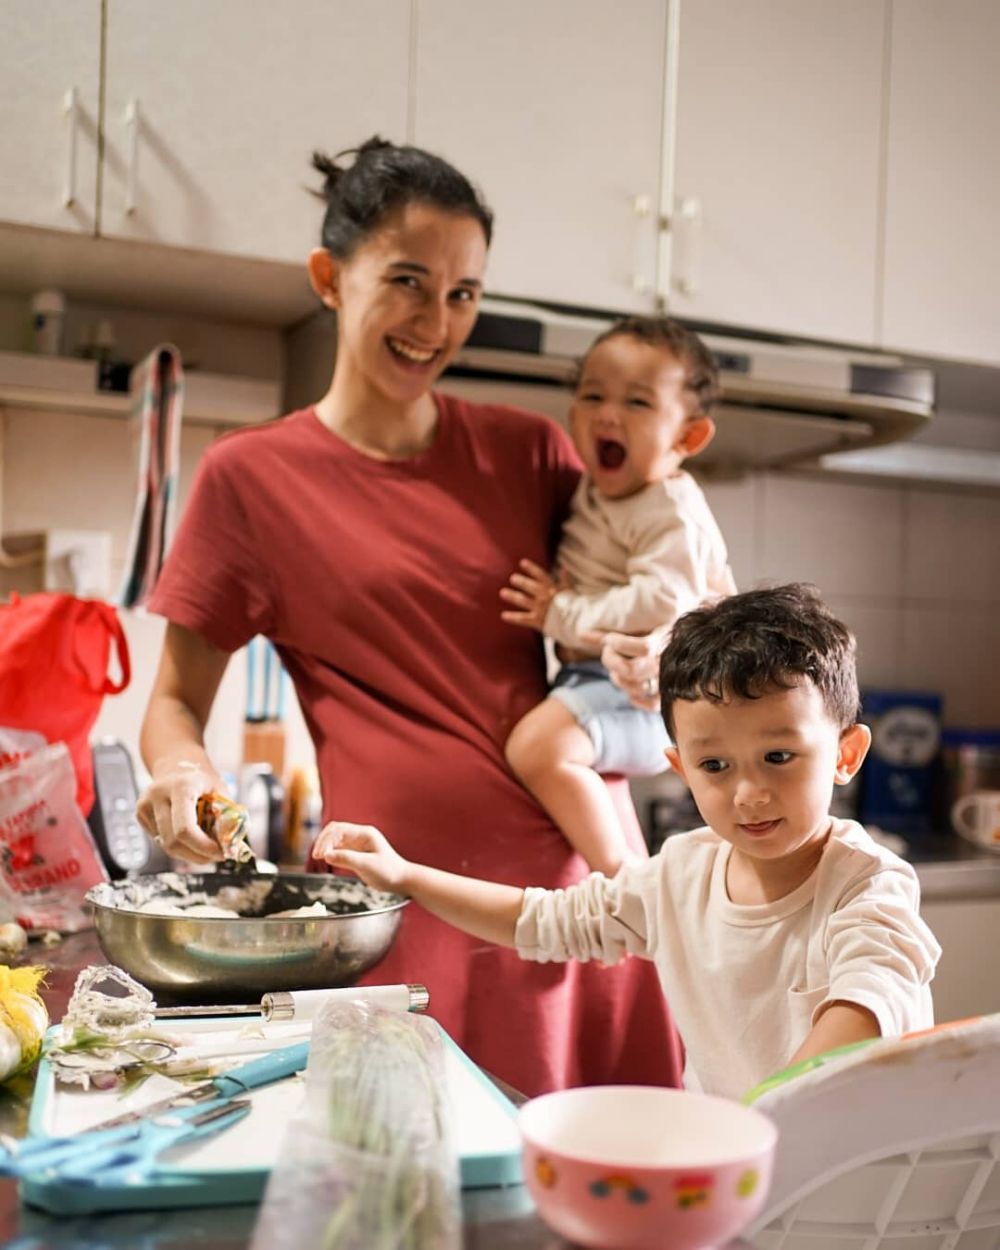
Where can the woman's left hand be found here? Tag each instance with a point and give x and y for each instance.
(530, 593)
(633, 663)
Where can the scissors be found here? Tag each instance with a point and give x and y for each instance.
(117, 1156)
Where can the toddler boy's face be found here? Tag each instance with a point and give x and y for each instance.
(632, 419)
(762, 770)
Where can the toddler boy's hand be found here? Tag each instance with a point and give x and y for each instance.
(365, 851)
(530, 593)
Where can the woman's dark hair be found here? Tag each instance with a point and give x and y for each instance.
(701, 373)
(743, 646)
(384, 177)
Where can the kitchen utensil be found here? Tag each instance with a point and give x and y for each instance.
(976, 816)
(210, 1173)
(239, 1080)
(213, 959)
(305, 1004)
(631, 1167)
(111, 1155)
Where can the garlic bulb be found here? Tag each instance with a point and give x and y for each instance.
(23, 1019)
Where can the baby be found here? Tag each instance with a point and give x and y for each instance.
(639, 549)
(778, 931)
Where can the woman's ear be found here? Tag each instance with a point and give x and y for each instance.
(324, 276)
(695, 435)
(851, 752)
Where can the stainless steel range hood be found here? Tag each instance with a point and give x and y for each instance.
(783, 403)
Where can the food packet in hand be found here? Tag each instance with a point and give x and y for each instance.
(228, 823)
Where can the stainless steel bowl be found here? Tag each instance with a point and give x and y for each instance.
(205, 959)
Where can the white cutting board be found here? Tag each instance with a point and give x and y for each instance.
(234, 1165)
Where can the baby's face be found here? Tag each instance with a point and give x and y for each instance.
(629, 415)
(762, 770)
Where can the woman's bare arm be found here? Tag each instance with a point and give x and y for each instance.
(172, 741)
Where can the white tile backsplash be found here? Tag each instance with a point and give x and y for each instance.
(735, 505)
(844, 538)
(954, 648)
(952, 547)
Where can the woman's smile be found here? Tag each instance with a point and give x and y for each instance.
(413, 355)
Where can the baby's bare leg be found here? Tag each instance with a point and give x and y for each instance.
(552, 756)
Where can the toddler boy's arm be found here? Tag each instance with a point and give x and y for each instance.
(485, 909)
(839, 1025)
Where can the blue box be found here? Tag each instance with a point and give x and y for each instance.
(899, 776)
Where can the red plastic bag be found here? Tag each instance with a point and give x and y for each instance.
(48, 860)
(54, 653)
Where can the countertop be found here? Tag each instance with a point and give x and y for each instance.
(951, 867)
(492, 1219)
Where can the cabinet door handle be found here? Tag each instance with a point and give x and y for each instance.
(71, 107)
(643, 246)
(132, 123)
(687, 226)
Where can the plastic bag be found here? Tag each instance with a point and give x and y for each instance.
(54, 653)
(48, 860)
(367, 1163)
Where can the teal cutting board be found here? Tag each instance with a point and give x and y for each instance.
(233, 1167)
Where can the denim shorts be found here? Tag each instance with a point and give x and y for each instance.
(626, 739)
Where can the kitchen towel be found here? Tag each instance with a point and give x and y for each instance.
(157, 386)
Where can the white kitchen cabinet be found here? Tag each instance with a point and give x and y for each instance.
(942, 260)
(775, 220)
(554, 108)
(968, 977)
(213, 112)
(48, 140)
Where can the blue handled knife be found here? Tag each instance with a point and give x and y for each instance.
(263, 1071)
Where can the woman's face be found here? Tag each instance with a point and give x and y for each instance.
(407, 299)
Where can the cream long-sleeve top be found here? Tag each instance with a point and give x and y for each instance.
(637, 563)
(745, 983)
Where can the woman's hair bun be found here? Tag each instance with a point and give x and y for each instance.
(328, 167)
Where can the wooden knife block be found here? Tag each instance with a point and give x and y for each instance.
(264, 743)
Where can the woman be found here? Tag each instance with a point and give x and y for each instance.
(369, 536)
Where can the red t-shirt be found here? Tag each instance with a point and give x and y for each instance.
(378, 582)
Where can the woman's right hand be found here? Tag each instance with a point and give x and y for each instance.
(167, 811)
(365, 851)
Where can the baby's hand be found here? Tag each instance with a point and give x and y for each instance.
(530, 593)
(365, 851)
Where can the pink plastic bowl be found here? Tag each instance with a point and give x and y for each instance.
(636, 1167)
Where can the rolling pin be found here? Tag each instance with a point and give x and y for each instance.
(305, 1004)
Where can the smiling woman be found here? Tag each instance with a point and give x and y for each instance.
(369, 536)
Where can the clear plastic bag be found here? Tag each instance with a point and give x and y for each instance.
(48, 860)
(368, 1163)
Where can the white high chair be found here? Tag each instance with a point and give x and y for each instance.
(895, 1145)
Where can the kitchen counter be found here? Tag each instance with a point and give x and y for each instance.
(950, 867)
(493, 1219)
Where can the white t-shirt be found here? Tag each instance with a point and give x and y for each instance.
(637, 563)
(745, 982)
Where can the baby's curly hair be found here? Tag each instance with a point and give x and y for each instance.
(745, 645)
(701, 373)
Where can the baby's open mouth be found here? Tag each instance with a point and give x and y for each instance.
(415, 355)
(610, 453)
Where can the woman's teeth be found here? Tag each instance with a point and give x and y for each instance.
(610, 453)
(419, 356)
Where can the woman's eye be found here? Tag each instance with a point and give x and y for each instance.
(778, 757)
(407, 280)
(711, 766)
(462, 295)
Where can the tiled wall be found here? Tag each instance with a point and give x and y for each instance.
(915, 572)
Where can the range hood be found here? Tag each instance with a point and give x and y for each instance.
(783, 403)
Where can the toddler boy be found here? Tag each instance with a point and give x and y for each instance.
(639, 549)
(778, 931)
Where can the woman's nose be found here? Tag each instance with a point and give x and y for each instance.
(432, 320)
